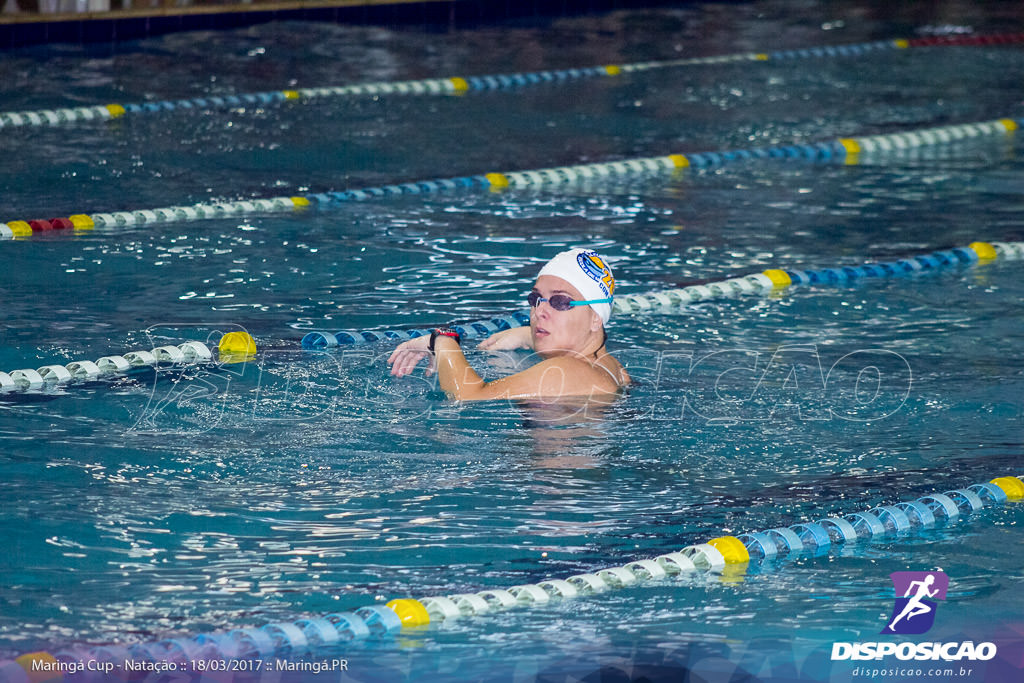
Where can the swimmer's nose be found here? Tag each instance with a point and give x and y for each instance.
(543, 310)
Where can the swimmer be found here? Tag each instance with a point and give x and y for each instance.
(570, 304)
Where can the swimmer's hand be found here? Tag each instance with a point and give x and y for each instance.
(507, 340)
(408, 354)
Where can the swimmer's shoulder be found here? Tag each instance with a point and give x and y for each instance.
(584, 377)
(614, 368)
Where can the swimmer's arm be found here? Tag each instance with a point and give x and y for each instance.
(507, 340)
(408, 354)
(552, 378)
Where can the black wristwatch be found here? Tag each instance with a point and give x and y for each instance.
(443, 332)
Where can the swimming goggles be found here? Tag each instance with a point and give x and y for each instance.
(561, 302)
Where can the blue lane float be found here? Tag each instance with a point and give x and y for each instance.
(473, 330)
(462, 85)
(849, 151)
(778, 279)
(240, 346)
(854, 50)
(767, 281)
(728, 556)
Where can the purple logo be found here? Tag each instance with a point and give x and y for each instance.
(916, 593)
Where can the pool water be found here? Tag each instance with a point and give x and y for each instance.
(307, 482)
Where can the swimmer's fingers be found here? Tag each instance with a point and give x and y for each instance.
(495, 341)
(516, 338)
(417, 344)
(490, 342)
(404, 361)
(403, 364)
(407, 356)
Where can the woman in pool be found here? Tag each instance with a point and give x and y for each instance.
(569, 306)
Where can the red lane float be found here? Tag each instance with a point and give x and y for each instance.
(61, 223)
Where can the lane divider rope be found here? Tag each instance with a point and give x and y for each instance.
(240, 346)
(80, 222)
(473, 330)
(233, 347)
(726, 556)
(460, 85)
(846, 150)
(768, 281)
(776, 279)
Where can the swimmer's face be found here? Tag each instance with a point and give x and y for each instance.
(557, 332)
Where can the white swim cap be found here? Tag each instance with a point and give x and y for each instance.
(586, 271)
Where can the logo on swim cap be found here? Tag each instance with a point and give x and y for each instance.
(597, 271)
(914, 612)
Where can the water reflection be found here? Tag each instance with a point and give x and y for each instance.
(567, 433)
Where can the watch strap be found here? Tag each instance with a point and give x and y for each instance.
(443, 332)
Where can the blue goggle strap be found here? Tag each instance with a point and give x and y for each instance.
(591, 301)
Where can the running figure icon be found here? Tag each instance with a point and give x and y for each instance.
(914, 612)
(914, 606)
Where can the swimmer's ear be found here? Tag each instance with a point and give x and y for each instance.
(595, 321)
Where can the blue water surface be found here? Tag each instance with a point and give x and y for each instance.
(306, 482)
